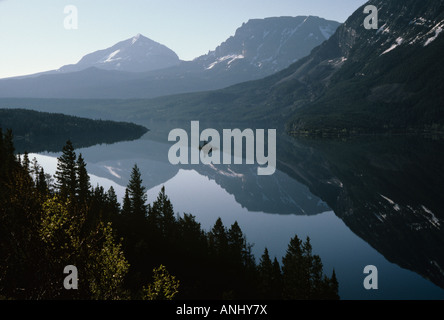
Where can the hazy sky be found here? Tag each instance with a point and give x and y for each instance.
(33, 37)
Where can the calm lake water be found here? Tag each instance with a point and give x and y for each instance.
(368, 201)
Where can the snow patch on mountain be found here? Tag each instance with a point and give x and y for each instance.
(136, 38)
(110, 57)
(436, 30)
(113, 172)
(383, 29)
(395, 205)
(229, 58)
(397, 43)
(431, 217)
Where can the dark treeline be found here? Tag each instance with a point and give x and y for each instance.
(41, 131)
(139, 250)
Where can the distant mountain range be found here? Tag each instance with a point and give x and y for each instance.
(358, 81)
(363, 81)
(141, 68)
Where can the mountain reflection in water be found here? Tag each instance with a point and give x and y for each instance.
(386, 190)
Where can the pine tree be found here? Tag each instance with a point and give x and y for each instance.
(113, 203)
(294, 281)
(8, 145)
(265, 269)
(161, 215)
(218, 239)
(302, 273)
(310, 268)
(84, 186)
(277, 280)
(26, 163)
(137, 194)
(270, 284)
(316, 278)
(97, 205)
(35, 168)
(126, 208)
(8, 160)
(41, 183)
(192, 238)
(333, 287)
(66, 174)
(236, 244)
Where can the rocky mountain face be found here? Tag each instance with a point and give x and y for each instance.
(388, 79)
(269, 45)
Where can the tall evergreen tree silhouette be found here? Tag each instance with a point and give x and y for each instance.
(84, 186)
(302, 274)
(41, 183)
(126, 206)
(218, 239)
(137, 193)
(113, 204)
(293, 271)
(269, 277)
(161, 215)
(66, 173)
(333, 288)
(26, 163)
(237, 245)
(7, 158)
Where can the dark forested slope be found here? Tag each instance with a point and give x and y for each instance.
(40, 131)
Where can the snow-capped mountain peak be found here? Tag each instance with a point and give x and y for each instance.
(135, 38)
(136, 54)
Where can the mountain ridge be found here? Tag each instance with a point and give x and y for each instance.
(136, 54)
(227, 68)
(358, 81)
(275, 36)
(388, 79)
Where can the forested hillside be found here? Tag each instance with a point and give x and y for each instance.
(140, 250)
(38, 131)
